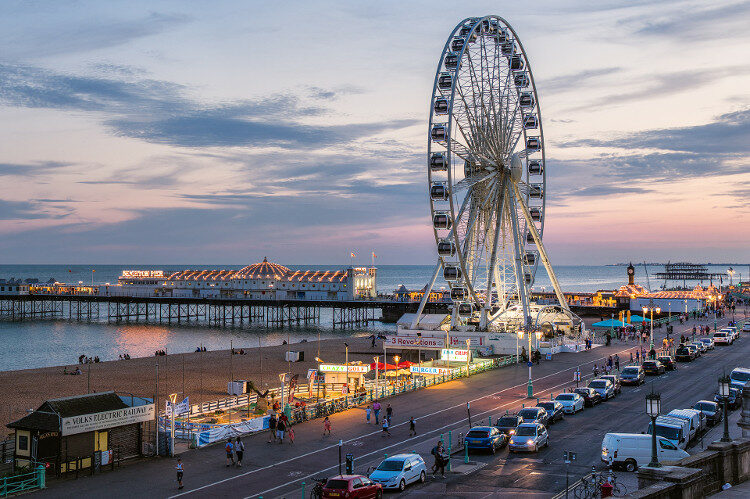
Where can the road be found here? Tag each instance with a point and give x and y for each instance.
(272, 470)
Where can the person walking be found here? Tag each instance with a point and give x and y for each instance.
(412, 427)
(280, 429)
(376, 410)
(368, 411)
(631, 357)
(617, 362)
(327, 426)
(239, 449)
(386, 429)
(180, 471)
(229, 449)
(291, 435)
(272, 428)
(439, 452)
(389, 413)
(638, 356)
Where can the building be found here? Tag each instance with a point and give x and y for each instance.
(74, 433)
(13, 287)
(676, 302)
(260, 281)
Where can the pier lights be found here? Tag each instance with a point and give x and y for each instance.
(653, 406)
(725, 385)
(651, 309)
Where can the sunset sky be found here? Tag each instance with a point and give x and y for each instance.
(172, 132)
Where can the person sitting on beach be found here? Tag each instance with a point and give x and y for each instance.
(65, 370)
(77, 371)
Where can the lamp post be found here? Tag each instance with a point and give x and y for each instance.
(651, 309)
(724, 391)
(377, 365)
(346, 357)
(519, 336)
(395, 359)
(653, 404)
(317, 396)
(468, 343)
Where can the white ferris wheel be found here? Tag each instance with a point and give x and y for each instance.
(487, 175)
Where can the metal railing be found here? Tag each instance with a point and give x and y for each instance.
(23, 482)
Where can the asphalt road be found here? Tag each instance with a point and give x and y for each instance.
(272, 470)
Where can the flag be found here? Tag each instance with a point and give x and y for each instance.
(374, 255)
(352, 254)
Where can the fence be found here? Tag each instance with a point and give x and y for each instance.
(20, 483)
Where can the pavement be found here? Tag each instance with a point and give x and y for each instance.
(273, 470)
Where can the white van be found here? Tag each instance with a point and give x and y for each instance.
(696, 418)
(633, 450)
(675, 430)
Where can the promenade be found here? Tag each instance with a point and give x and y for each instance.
(272, 470)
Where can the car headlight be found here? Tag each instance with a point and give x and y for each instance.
(529, 442)
(512, 432)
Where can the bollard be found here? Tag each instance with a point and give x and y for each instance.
(441, 437)
(466, 453)
(303, 490)
(523, 406)
(537, 401)
(551, 397)
(41, 476)
(506, 412)
(490, 420)
(450, 441)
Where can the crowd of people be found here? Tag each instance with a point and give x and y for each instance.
(83, 359)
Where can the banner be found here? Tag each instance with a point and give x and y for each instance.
(107, 419)
(181, 408)
(454, 355)
(414, 342)
(342, 368)
(432, 370)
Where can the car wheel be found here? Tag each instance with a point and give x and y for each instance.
(422, 477)
(630, 465)
(402, 485)
(379, 494)
(492, 448)
(546, 442)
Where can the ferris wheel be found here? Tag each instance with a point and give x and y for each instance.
(487, 172)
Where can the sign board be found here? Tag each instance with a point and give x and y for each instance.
(460, 341)
(107, 419)
(179, 408)
(431, 370)
(133, 274)
(414, 342)
(311, 373)
(454, 355)
(342, 368)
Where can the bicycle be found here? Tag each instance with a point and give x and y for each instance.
(317, 490)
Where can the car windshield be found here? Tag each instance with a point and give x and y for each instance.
(649, 363)
(338, 484)
(598, 384)
(528, 413)
(706, 340)
(526, 431)
(631, 371)
(550, 406)
(582, 391)
(665, 359)
(507, 422)
(720, 334)
(702, 406)
(740, 376)
(392, 465)
(667, 432)
(477, 434)
(566, 396)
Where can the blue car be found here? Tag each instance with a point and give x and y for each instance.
(485, 438)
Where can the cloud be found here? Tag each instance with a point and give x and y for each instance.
(574, 81)
(30, 169)
(30, 210)
(688, 23)
(607, 190)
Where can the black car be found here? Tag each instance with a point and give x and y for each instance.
(632, 375)
(590, 396)
(735, 399)
(508, 424)
(684, 354)
(653, 368)
(668, 362)
(534, 415)
(712, 410)
(554, 410)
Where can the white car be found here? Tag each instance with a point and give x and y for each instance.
(746, 327)
(571, 402)
(731, 331)
(708, 342)
(396, 472)
(722, 338)
(740, 377)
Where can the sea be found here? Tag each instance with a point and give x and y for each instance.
(43, 343)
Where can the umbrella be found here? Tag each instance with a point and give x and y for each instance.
(405, 364)
(381, 367)
(638, 318)
(609, 323)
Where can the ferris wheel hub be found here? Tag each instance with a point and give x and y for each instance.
(516, 168)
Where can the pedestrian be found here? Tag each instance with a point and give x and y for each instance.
(229, 448)
(280, 429)
(291, 435)
(631, 357)
(386, 429)
(239, 449)
(412, 427)
(179, 469)
(376, 410)
(389, 412)
(617, 362)
(327, 425)
(596, 371)
(610, 362)
(440, 458)
(367, 412)
(272, 428)
(638, 356)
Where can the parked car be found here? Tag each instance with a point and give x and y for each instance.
(603, 387)
(739, 377)
(653, 368)
(615, 380)
(396, 472)
(684, 354)
(673, 429)
(746, 327)
(702, 348)
(529, 437)
(590, 396)
(632, 375)
(668, 362)
(712, 410)
(732, 331)
(722, 338)
(632, 450)
(507, 424)
(709, 342)
(696, 351)
(735, 399)
(485, 438)
(571, 402)
(554, 410)
(534, 415)
(358, 486)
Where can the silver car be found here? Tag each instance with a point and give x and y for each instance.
(603, 387)
(709, 342)
(529, 437)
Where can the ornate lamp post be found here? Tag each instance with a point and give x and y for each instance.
(653, 406)
(468, 343)
(725, 385)
(519, 336)
(651, 309)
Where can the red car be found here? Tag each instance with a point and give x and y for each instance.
(346, 486)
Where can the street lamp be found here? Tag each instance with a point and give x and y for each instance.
(317, 395)
(346, 357)
(519, 336)
(377, 365)
(395, 359)
(653, 406)
(651, 309)
(468, 343)
(725, 385)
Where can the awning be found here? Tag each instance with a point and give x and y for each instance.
(381, 367)
(608, 323)
(638, 318)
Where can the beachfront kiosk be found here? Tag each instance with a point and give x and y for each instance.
(75, 433)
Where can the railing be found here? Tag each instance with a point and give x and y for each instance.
(20, 483)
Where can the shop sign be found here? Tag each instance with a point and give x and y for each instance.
(107, 419)
(454, 355)
(430, 370)
(342, 368)
(133, 274)
(414, 342)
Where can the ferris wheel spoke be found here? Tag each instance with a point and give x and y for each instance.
(468, 182)
(475, 128)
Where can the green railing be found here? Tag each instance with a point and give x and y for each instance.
(23, 482)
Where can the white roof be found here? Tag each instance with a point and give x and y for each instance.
(426, 321)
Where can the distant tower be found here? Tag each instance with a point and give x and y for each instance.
(631, 274)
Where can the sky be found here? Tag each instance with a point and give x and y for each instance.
(188, 132)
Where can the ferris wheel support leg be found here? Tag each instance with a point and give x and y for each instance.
(426, 295)
(493, 259)
(542, 251)
(518, 265)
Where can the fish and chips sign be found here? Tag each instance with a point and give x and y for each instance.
(454, 355)
(107, 419)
